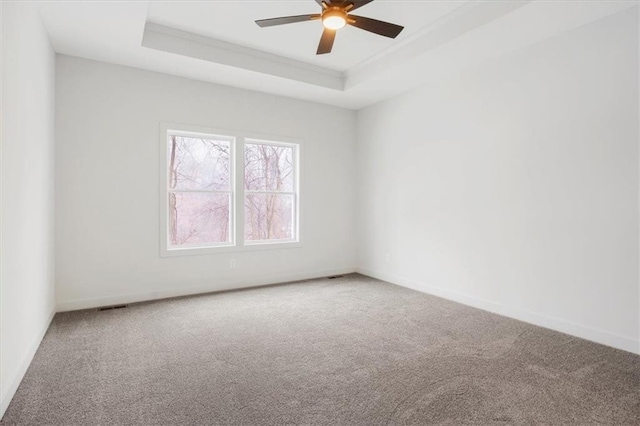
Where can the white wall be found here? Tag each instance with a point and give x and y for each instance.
(27, 295)
(107, 192)
(514, 187)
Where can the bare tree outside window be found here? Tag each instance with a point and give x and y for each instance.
(199, 190)
(270, 185)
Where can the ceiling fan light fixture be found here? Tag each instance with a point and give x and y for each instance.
(334, 19)
(335, 15)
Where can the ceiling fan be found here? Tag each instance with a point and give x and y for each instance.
(335, 15)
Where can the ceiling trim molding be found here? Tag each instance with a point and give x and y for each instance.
(463, 19)
(171, 40)
(407, 64)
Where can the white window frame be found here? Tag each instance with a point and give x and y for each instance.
(236, 216)
(295, 205)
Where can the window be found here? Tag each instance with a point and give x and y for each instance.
(225, 192)
(200, 192)
(269, 192)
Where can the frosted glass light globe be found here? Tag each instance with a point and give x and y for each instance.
(334, 19)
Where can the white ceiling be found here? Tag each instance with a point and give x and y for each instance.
(234, 21)
(219, 42)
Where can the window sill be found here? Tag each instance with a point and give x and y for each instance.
(204, 251)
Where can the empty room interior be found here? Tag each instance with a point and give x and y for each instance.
(306, 212)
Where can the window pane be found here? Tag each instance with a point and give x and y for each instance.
(268, 168)
(268, 217)
(199, 163)
(196, 218)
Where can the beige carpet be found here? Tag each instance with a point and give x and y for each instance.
(350, 351)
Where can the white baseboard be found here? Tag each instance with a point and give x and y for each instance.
(235, 284)
(24, 365)
(588, 333)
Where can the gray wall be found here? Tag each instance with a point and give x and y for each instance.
(27, 255)
(514, 187)
(108, 180)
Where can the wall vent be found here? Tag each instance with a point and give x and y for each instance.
(110, 308)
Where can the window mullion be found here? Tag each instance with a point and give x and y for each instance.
(239, 191)
(270, 192)
(199, 191)
(296, 196)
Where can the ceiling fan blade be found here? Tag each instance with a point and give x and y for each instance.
(386, 29)
(326, 41)
(286, 20)
(357, 4)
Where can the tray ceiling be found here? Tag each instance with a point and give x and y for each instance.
(233, 21)
(218, 41)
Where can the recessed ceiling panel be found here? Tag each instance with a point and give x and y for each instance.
(234, 21)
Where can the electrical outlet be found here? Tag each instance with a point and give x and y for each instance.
(232, 264)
